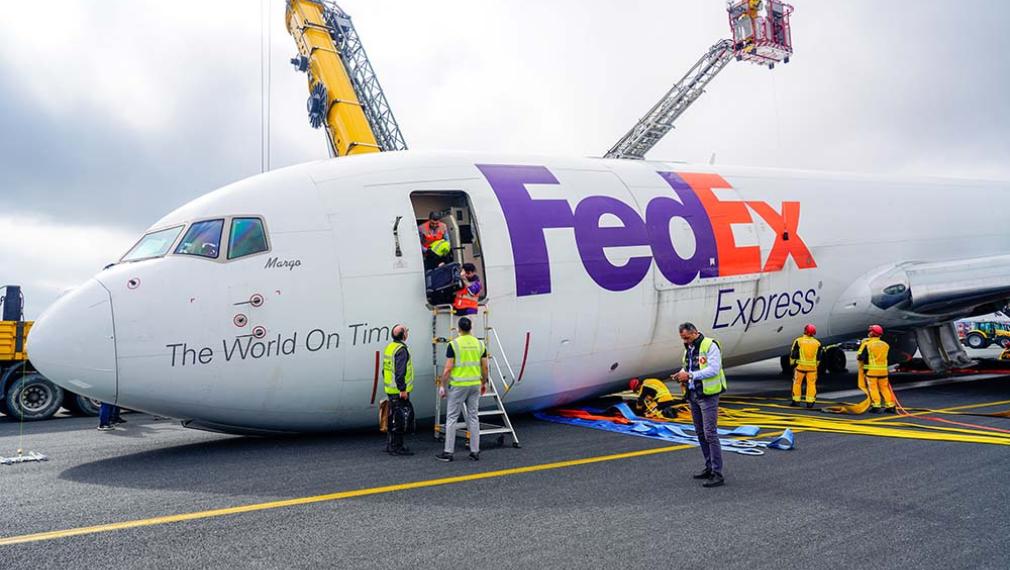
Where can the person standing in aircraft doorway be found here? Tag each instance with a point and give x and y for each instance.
(398, 381)
(433, 233)
(467, 298)
(704, 378)
(466, 372)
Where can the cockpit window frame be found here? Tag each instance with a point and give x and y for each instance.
(222, 237)
(225, 238)
(226, 232)
(171, 247)
(266, 236)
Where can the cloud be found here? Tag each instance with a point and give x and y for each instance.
(52, 256)
(114, 113)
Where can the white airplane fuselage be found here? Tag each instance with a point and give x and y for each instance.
(598, 261)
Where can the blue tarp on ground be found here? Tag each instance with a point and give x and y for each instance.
(670, 431)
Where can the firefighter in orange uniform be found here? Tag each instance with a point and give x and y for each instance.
(806, 356)
(873, 360)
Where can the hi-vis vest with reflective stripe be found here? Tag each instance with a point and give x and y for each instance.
(715, 384)
(440, 247)
(807, 362)
(388, 378)
(432, 232)
(876, 357)
(467, 351)
(464, 299)
(663, 394)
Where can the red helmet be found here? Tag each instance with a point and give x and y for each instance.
(810, 330)
(876, 330)
(633, 385)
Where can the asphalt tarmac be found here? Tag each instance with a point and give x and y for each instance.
(836, 500)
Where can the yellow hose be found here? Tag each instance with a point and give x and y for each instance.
(763, 415)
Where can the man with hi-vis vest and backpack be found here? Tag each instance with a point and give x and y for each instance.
(704, 379)
(398, 383)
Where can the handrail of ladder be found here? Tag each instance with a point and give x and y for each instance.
(493, 334)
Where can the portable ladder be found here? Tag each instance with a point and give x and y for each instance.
(494, 420)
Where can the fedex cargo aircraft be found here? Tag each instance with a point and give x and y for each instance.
(260, 307)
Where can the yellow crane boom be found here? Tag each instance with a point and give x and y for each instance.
(344, 93)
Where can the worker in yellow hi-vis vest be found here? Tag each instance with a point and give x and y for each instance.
(466, 373)
(398, 383)
(654, 399)
(805, 356)
(873, 360)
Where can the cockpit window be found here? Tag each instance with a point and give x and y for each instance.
(203, 239)
(247, 237)
(154, 244)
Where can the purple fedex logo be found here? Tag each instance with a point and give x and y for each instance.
(715, 253)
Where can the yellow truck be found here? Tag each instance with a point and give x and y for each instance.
(25, 394)
(983, 334)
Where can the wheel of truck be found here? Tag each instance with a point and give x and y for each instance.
(81, 405)
(976, 340)
(1004, 342)
(32, 398)
(834, 359)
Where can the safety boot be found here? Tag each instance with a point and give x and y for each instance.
(444, 457)
(706, 474)
(875, 410)
(810, 405)
(794, 403)
(715, 481)
(891, 410)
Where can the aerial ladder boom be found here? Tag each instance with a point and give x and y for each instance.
(344, 93)
(761, 34)
(651, 128)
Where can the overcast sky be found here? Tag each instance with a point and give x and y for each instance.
(114, 112)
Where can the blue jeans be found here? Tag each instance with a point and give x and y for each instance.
(705, 413)
(107, 414)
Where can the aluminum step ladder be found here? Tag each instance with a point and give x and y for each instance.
(493, 417)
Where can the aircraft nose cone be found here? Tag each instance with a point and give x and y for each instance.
(73, 343)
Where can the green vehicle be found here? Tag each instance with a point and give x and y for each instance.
(983, 334)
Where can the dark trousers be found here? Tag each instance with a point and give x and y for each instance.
(107, 414)
(705, 413)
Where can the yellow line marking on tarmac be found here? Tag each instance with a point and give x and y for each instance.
(42, 536)
(52, 535)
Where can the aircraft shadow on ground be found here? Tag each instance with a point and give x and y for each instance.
(295, 466)
(288, 466)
